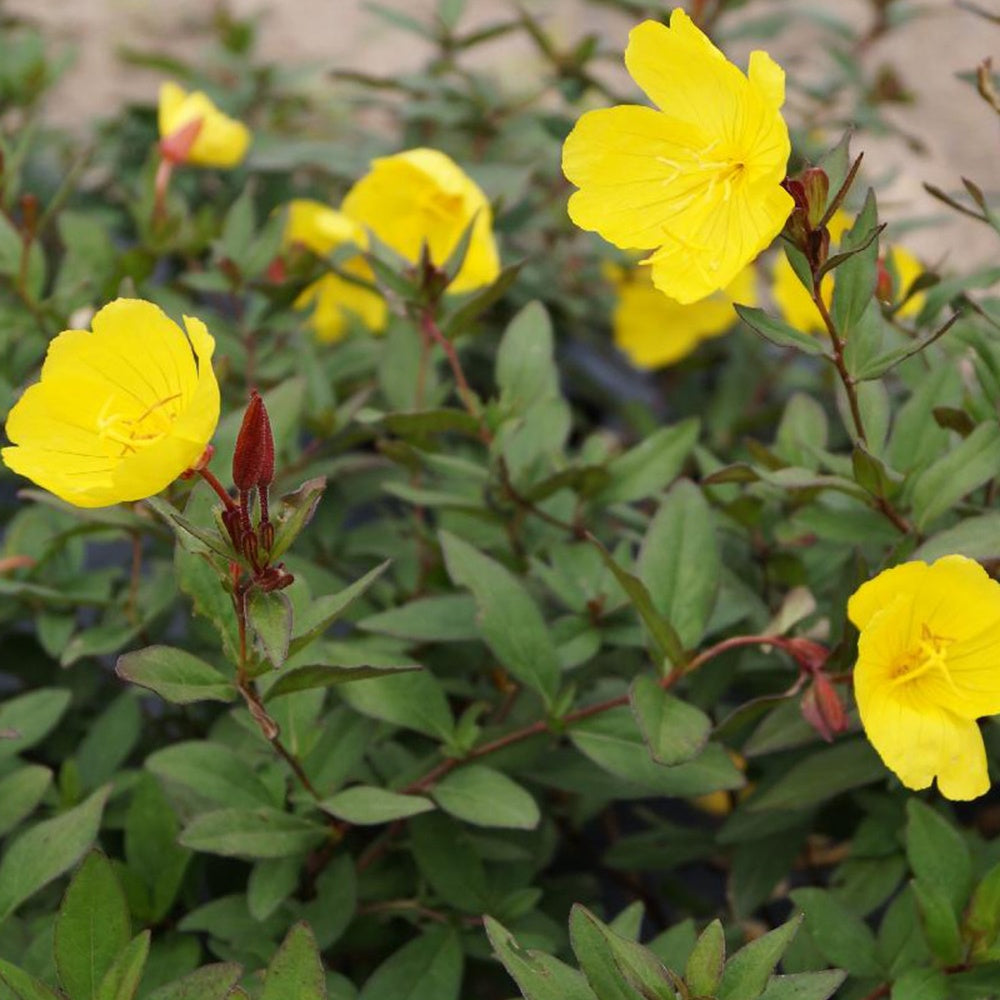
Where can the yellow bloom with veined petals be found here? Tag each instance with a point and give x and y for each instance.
(697, 181)
(928, 667)
(322, 229)
(220, 141)
(423, 197)
(120, 412)
(796, 304)
(655, 330)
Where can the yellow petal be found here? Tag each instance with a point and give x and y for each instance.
(907, 269)
(795, 301)
(221, 141)
(321, 228)
(876, 594)
(767, 77)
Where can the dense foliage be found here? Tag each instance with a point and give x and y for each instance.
(538, 655)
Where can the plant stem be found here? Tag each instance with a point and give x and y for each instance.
(223, 494)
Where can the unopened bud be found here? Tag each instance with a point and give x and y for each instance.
(816, 189)
(29, 215)
(810, 656)
(176, 147)
(823, 709)
(253, 459)
(884, 291)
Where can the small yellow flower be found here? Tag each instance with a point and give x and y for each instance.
(321, 229)
(796, 304)
(928, 667)
(655, 330)
(193, 130)
(423, 197)
(697, 181)
(119, 412)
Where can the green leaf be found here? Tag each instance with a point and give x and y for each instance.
(843, 938)
(477, 304)
(594, 955)
(486, 797)
(122, 979)
(855, 277)
(804, 986)
(976, 537)
(822, 775)
(983, 917)
(212, 982)
(20, 793)
(965, 467)
(512, 626)
(23, 986)
(427, 968)
(31, 717)
(668, 644)
(449, 859)
(539, 976)
(703, 971)
(921, 984)
(366, 805)
(269, 614)
(938, 853)
(746, 974)
(414, 700)
(445, 618)
(613, 742)
(296, 972)
(324, 675)
(525, 368)
(238, 227)
(218, 774)
(92, 927)
(651, 465)
(46, 850)
(939, 922)
(293, 513)
(674, 731)
(175, 675)
(251, 833)
(270, 883)
(322, 613)
(680, 562)
(778, 332)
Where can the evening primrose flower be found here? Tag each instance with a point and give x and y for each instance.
(929, 666)
(698, 182)
(334, 299)
(422, 197)
(796, 304)
(119, 412)
(193, 130)
(655, 330)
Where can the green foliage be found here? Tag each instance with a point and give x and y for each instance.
(554, 630)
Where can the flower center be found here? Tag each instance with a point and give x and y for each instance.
(928, 655)
(136, 433)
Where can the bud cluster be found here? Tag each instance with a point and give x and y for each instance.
(807, 223)
(821, 705)
(253, 473)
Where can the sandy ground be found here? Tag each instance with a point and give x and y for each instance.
(961, 133)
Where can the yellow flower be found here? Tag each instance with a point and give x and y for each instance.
(217, 141)
(655, 330)
(929, 666)
(697, 181)
(321, 229)
(796, 304)
(423, 197)
(119, 413)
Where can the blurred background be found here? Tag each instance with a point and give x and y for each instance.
(939, 131)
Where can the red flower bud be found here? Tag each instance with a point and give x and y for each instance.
(253, 459)
(823, 709)
(884, 291)
(816, 188)
(809, 655)
(176, 147)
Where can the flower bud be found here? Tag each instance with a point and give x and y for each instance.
(816, 189)
(823, 709)
(176, 147)
(884, 291)
(253, 459)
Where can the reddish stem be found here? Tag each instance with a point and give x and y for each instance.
(213, 481)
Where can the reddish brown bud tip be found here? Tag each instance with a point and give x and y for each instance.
(823, 709)
(253, 459)
(176, 147)
(277, 273)
(884, 291)
(810, 656)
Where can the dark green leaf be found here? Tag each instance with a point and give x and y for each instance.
(486, 797)
(674, 731)
(296, 972)
(175, 675)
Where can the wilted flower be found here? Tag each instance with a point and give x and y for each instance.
(193, 130)
(321, 229)
(423, 198)
(655, 330)
(795, 301)
(119, 412)
(697, 181)
(928, 667)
